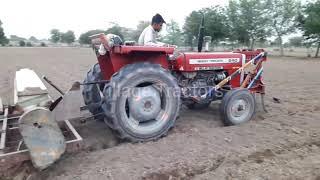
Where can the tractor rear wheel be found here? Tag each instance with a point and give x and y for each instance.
(92, 93)
(238, 106)
(142, 102)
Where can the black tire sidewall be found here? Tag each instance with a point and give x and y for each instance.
(91, 93)
(145, 73)
(227, 101)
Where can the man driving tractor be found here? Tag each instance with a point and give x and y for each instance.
(150, 33)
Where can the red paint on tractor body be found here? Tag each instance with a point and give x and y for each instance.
(111, 62)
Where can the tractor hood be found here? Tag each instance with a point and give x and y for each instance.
(194, 61)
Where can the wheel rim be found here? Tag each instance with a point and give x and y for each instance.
(145, 104)
(146, 108)
(240, 110)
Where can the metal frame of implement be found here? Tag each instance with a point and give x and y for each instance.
(12, 150)
(254, 61)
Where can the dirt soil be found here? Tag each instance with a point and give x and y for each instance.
(281, 144)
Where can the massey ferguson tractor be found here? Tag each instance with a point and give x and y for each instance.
(138, 90)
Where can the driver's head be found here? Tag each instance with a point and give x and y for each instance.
(157, 22)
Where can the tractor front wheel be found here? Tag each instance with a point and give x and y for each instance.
(238, 106)
(142, 102)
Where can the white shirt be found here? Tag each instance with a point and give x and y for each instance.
(148, 37)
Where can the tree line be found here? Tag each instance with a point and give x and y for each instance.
(63, 37)
(246, 22)
(241, 22)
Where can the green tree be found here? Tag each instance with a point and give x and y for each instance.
(3, 39)
(22, 43)
(133, 34)
(115, 29)
(140, 27)
(33, 39)
(55, 35)
(191, 27)
(123, 32)
(283, 14)
(216, 24)
(128, 34)
(309, 22)
(16, 38)
(249, 21)
(174, 35)
(84, 37)
(68, 37)
(42, 44)
(296, 41)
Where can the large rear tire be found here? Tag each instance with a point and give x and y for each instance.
(92, 93)
(142, 102)
(237, 107)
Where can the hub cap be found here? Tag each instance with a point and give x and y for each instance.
(145, 108)
(145, 104)
(240, 110)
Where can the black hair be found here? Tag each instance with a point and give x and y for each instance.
(157, 19)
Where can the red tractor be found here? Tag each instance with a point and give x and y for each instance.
(138, 90)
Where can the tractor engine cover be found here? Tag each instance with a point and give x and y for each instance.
(209, 61)
(216, 61)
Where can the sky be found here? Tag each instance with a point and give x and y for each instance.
(27, 18)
